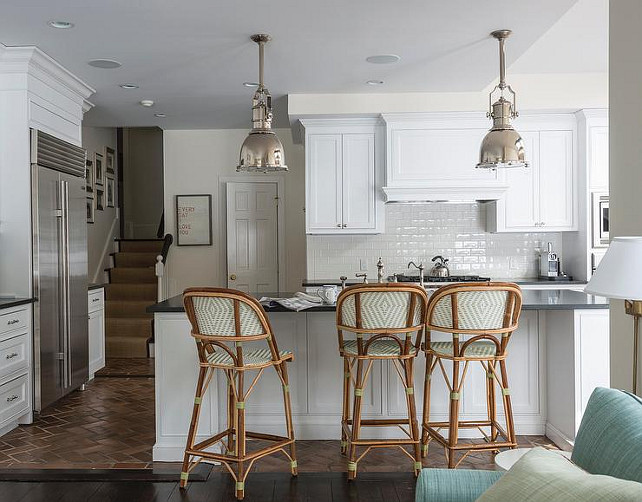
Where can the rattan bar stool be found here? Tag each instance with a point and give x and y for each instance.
(225, 324)
(383, 318)
(481, 318)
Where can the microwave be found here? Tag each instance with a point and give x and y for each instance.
(600, 217)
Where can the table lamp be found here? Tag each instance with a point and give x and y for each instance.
(619, 275)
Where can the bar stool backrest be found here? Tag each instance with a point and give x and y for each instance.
(220, 317)
(387, 310)
(483, 310)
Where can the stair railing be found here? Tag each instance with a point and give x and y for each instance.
(162, 275)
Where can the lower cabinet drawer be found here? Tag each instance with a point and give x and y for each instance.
(12, 321)
(14, 398)
(13, 355)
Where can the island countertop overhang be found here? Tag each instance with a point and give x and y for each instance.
(556, 299)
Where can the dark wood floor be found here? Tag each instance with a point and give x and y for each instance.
(262, 487)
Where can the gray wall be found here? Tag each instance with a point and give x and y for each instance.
(625, 96)
(142, 181)
(100, 235)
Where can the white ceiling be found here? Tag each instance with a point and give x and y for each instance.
(191, 57)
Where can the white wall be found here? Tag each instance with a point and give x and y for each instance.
(625, 133)
(100, 234)
(195, 161)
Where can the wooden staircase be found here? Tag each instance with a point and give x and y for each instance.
(132, 288)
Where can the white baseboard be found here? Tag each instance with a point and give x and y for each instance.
(559, 438)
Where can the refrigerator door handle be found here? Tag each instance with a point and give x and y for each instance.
(64, 282)
(67, 284)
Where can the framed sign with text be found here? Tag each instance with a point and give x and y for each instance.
(193, 220)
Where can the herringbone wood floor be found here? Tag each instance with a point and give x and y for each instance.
(111, 425)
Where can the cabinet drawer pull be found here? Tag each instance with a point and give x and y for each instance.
(338, 225)
(12, 321)
(12, 355)
(95, 300)
(13, 398)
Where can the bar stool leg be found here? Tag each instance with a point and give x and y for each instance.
(346, 405)
(508, 408)
(412, 413)
(453, 428)
(425, 416)
(231, 410)
(282, 368)
(191, 435)
(240, 438)
(356, 421)
(491, 400)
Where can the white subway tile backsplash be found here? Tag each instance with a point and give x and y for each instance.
(420, 231)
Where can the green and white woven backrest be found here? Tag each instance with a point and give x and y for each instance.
(381, 310)
(476, 310)
(215, 317)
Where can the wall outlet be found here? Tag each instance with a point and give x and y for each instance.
(363, 265)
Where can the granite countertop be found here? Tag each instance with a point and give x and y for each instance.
(555, 299)
(6, 302)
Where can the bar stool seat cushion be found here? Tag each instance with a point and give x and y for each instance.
(257, 357)
(379, 348)
(475, 349)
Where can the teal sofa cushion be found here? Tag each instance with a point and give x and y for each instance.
(545, 476)
(450, 485)
(609, 440)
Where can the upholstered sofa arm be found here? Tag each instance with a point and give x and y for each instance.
(453, 485)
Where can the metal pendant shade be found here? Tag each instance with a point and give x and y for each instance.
(262, 150)
(502, 147)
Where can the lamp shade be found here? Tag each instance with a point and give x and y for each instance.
(619, 274)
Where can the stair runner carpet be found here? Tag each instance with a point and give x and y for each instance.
(132, 288)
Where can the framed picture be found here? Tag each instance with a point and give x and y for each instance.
(600, 217)
(99, 169)
(90, 209)
(89, 179)
(194, 220)
(110, 187)
(110, 160)
(100, 199)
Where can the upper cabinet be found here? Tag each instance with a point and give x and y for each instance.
(343, 168)
(542, 197)
(433, 157)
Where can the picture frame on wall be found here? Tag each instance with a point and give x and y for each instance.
(110, 189)
(194, 220)
(89, 178)
(110, 160)
(99, 169)
(90, 210)
(100, 199)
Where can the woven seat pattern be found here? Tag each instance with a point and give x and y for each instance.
(380, 309)
(380, 348)
(215, 317)
(475, 349)
(257, 357)
(476, 310)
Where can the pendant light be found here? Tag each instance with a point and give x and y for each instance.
(262, 150)
(502, 147)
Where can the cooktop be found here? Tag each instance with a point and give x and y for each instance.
(452, 278)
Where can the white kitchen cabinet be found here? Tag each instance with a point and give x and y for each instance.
(542, 197)
(343, 177)
(96, 310)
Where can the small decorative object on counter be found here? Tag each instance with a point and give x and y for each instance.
(343, 280)
(365, 277)
(440, 269)
(380, 270)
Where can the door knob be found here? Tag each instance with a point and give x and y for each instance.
(233, 277)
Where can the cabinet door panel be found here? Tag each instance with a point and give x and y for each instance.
(358, 181)
(599, 158)
(324, 182)
(556, 184)
(521, 204)
(96, 341)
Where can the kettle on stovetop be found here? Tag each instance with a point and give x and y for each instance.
(440, 269)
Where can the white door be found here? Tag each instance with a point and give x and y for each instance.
(252, 243)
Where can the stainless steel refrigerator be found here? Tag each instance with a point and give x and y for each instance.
(59, 268)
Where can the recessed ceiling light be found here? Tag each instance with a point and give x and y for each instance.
(107, 64)
(374, 82)
(383, 59)
(61, 25)
(128, 86)
(251, 84)
(160, 115)
(147, 103)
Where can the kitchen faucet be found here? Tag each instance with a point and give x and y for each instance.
(421, 271)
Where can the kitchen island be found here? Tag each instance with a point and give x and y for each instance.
(557, 356)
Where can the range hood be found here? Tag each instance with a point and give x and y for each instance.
(419, 194)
